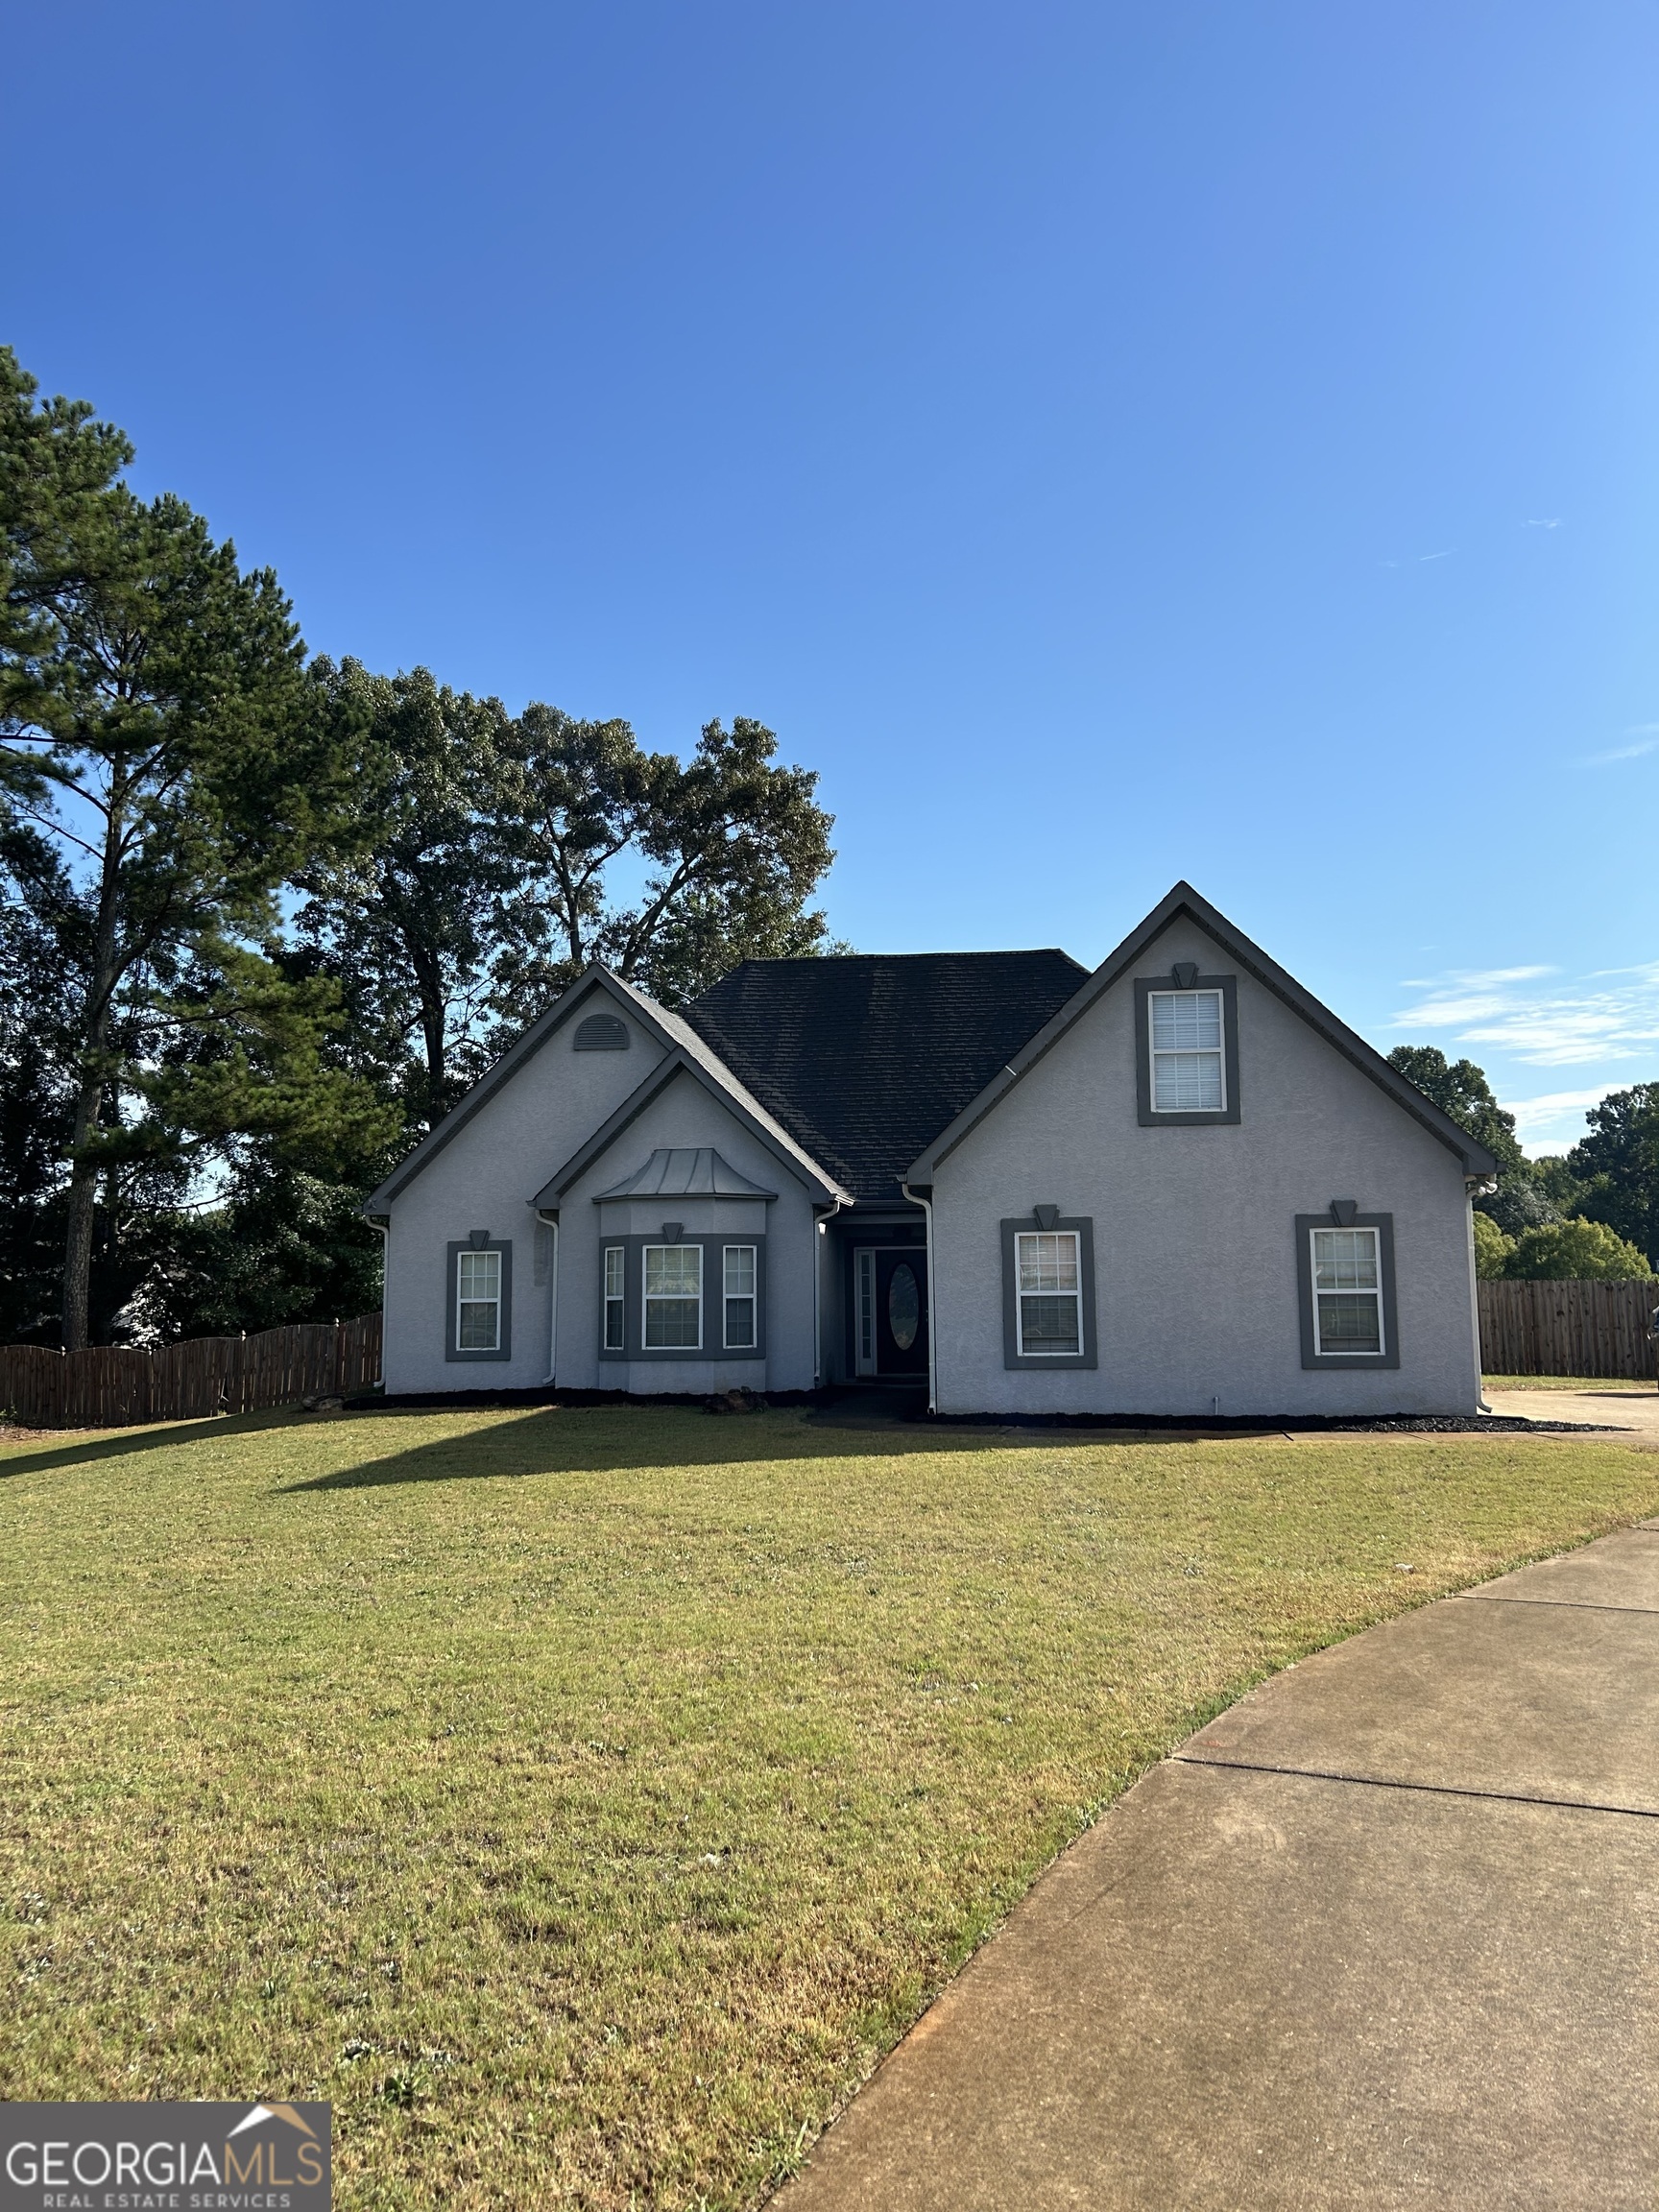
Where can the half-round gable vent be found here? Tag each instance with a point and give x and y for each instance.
(602, 1033)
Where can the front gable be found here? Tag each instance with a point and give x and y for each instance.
(1148, 957)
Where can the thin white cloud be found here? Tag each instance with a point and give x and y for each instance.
(1646, 740)
(1554, 1026)
(1544, 522)
(1445, 556)
(1555, 1121)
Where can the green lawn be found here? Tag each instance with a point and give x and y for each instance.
(582, 1800)
(1566, 1383)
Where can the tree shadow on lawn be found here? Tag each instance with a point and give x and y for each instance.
(88, 1446)
(551, 1440)
(554, 1439)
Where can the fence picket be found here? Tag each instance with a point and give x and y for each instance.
(118, 1386)
(1569, 1328)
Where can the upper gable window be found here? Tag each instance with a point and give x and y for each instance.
(1189, 1063)
(601, 1033)
(1185, 1049)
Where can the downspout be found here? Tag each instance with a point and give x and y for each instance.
(381, 1224)
(551, 1221)
(817, 1287)
(1478, 1186)
(926, 1205)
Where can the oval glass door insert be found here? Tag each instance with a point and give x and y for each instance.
(904, 1306)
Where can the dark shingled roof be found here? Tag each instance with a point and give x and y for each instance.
(864, 1058)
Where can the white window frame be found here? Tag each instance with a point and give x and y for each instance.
(463, 1305)
(1074, 1238)
(649, 1298)
(1156, 1052)
(1321, 1349)
(616, 1298)
(864, 1319)
(750, 1298)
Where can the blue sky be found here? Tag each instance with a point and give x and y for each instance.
(1111, 444)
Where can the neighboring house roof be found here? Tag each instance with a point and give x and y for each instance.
(685, 1171)
(1183, 900)
(864, 1057)
(685, 1048)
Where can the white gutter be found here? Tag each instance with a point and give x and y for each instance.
(926, 1205)
(817, 1285)
(553, 1301)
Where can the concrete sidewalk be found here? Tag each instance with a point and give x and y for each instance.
(1385, 1934)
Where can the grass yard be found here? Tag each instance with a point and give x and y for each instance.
(582, 1800)
(1567, 1382)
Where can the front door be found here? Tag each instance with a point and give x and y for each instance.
(890, 1310)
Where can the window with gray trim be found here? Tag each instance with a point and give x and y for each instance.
(683, 1295)
(1345, 1288)
(673, 1297)
(1185, 1049)
(1049, 1291)
(615, 1298)
(738, 1266)
(478, 1299)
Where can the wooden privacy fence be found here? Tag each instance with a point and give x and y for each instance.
(113, 1385)
(1567, 1327)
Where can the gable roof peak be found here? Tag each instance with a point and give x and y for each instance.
(1182, 897)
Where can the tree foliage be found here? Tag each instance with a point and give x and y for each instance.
(407, 922)
(1575, 1251)
(1460, 1088)
(1616, 1166)
(162, 775)
(1493, 1250)
(262, 921)
(732, 846)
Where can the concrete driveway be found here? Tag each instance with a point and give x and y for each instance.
(1637, 1410)
(1384, 1934)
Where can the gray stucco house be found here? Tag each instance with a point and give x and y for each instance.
(1175, 1186)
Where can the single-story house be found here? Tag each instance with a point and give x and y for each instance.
(1177, 1184)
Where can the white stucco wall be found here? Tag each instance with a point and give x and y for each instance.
(1194, 1244)
(490, 1172)
(485, 1178)
(687, 1115)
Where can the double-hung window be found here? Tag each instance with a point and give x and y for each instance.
(1050, 1298)
(477, 1301)
(615, 1292)
(739, 1271)
(1188, 1058)
(1347, 1292)
(673, 1297)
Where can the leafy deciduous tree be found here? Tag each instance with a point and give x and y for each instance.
(1575, 1251)
(1460, 1088)
(1618, 1165)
